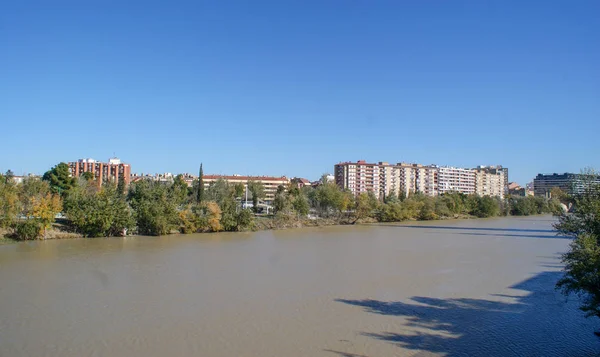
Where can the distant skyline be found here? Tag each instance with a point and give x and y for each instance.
(292, 88)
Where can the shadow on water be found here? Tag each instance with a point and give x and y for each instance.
(487, 231)
(540, 323)
(477, 228)
(555, 236)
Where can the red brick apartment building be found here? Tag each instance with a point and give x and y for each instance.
(102, 171)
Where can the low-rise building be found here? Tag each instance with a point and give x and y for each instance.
(270, 183)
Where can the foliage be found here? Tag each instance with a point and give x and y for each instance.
(200, 188)
(9, 201)
(560, 195)
(282, 203)
(45, 209)
(582, 261)
(328, 199)
(582, 273)
(485, 206)
(97, 212)
(213, 213)
(179, 190)
(88, 176)
(221, 197)
(155, 208)
(300, 204)
(257, 189)
(364, 206)
(27, 229)
(239, 190)
(60, 179)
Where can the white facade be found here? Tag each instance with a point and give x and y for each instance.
(455, 179)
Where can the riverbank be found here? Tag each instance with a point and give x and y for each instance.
(261, 223)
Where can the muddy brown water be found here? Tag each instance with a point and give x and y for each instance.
(444, 288)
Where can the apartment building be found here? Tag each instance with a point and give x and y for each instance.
(384, 179)
(455, 179)
(389, 180)
(270, 183)
(358, 177)
(426, 179)
(103, 172)
(490, 181)
(568, 182)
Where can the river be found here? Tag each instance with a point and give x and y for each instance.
(444, 288)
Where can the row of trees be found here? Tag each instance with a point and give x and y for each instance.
(329, 200)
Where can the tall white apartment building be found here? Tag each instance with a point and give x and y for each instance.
(489, 181)
(456, 179)
(384, 179)
(358, 177)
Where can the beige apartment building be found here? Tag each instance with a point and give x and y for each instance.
(426, 179)
(455, 179)
(269, 182)
(489, 181)
(390, 182)
(358, 177)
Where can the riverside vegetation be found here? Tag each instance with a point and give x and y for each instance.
(28, 210)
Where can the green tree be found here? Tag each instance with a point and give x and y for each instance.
(200, 194)
(9, 175)
(60, 179)
(300, 205)
(582, 261)
(582, 273)
(45, 209)
(88, 176)
(179, 190)
(257, 189)
(97, 212)
(485, 206)
(121, 186)
(30, 190)
(9, 202)
(155, 208)
(560, 195)
(239, 190)
(329, 199)
(364, 206)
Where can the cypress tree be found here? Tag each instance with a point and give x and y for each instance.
(200, 197)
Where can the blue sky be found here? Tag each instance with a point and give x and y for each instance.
(293, 87)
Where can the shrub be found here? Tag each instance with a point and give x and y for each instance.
(28, 229)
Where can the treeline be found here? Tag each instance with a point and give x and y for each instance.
(28, 209)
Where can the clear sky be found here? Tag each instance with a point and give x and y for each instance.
(293, 87)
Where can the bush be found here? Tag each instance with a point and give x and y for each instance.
(28, 229)
(486, 206)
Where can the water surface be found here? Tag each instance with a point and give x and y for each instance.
(445, 288)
